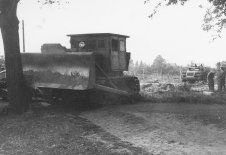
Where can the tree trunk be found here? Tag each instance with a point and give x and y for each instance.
(17, 91)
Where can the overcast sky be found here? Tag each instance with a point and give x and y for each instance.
(175, 32)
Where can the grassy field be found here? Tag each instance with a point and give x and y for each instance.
(184, 97)
(155, 89)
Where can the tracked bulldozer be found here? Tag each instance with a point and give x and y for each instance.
(92, 69)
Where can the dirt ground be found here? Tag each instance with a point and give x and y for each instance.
(58, 130)
(169, 129)
(143, 128)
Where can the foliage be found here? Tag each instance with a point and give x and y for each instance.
(52, 2)
(159, 66)
(214, 19)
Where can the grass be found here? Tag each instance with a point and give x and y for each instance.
(163, 78)
(181, 94)
(184, 97)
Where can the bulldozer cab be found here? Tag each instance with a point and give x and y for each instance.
(109, 50)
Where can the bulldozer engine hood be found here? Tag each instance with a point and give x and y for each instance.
(63, 71)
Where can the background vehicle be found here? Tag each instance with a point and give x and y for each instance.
(194, 74)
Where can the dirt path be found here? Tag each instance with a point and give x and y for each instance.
(58, 131)
(166, 128)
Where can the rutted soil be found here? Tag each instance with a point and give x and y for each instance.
(144, 128)
(166, 128)
(58, 131)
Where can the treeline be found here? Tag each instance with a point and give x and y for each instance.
(158, 67)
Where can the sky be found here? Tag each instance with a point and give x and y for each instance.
(175, 32)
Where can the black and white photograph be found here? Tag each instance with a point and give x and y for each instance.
(112, 77)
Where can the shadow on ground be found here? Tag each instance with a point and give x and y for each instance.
(58, 129)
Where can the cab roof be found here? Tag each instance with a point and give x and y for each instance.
(96, 35)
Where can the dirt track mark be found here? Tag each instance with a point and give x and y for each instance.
(97, 134)
(54, 132)
(163, 129)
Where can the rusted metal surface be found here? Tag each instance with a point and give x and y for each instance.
(64, 71)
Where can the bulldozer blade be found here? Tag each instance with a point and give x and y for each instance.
(73, 71)
(111, 90)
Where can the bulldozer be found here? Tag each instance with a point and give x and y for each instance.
(92, 69)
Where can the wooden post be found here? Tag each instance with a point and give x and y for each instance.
(23, 36)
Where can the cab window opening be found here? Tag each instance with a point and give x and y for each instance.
(114, 44)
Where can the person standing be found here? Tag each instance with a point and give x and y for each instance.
(223, 77)
(221, 73)
(210, 80)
